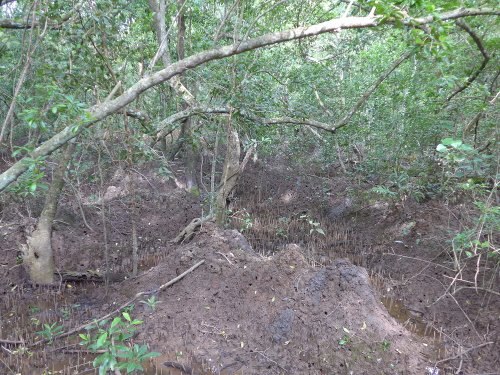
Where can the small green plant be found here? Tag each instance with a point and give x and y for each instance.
(385, 345)
(165, 172)
(383, 191)
(128, 309)
(114, 340)
(345, 340)
(151, 302)
(33, 309)
(66, 313)
(468, 242)
(22, 350)
(281, 232)
(51, 331)
(314, 224)
(245, 219)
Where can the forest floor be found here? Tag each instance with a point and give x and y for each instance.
(320, 277)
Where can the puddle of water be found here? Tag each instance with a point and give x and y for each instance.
(414, 321)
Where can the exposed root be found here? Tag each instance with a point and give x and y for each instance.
(188, 232)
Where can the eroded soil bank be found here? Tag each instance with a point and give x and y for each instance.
(278, 298)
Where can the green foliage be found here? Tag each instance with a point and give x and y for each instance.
(314, 224)
(464, 167)
(345, 340)
(115, 340)
(151, 302)
(402, 186)
(67, 312)
(30, 181)
(51, 331)
(469, 241)
(385, 345)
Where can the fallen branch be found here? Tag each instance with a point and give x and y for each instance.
(78, 329)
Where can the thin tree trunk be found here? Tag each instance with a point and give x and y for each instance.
(38, 257)
(230, 174)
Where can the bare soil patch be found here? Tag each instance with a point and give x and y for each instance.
(277, 298)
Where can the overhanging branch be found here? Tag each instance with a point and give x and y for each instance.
(102, 110)
(372, 88)
(486, 57)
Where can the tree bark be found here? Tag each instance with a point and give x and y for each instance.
(230, 174)
(37, 253)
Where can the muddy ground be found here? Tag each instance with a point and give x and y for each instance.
(375, 294)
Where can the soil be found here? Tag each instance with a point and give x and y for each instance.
(312, 275)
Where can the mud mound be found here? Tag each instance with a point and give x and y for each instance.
(270, 315)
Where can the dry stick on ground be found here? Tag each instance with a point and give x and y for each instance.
(12, 342)
(462, 353)
(159, 289)
(476, 288)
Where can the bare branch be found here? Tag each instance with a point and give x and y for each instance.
(464, 25)
(368, 92)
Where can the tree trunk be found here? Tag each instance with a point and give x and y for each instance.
(230, 174)
(38, 257)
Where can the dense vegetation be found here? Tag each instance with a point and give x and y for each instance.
(403, 93)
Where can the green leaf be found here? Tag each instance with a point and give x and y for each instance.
(152, 354)
(102, 339)
(447, 141)
(115, 321)
(441, 148)
(141, 350)
(126, 316)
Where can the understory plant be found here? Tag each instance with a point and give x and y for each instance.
(115, 340)
(478, 240)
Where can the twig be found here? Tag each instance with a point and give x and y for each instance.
(422, 260)
(86, 351)
(218, 252)
(269, 359)
(77, 329)
(80, 205)
(462, 353)
(476, 287)
(12, 342)
(179, 277)
(150, 184)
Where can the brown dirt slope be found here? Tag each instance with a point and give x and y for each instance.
(271, 315)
